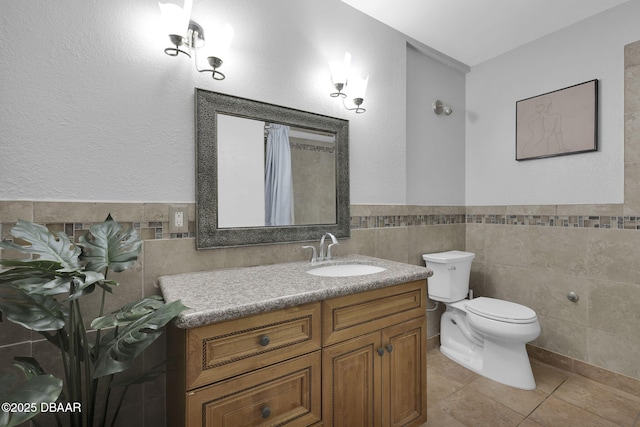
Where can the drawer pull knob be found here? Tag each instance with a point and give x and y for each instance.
(266, 411)
(264, 341)
(381, 351)
(389, 348)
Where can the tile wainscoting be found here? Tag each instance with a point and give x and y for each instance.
(533, 255)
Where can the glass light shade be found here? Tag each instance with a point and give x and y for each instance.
(358, 87)
(218, 41)
(340, 70)
(175, 19)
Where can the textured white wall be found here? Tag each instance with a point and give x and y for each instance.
(435, 143)
(92, 109)
(591, 49)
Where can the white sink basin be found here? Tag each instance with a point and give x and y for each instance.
(345, 270)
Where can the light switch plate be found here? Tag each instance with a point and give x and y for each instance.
(178, 219)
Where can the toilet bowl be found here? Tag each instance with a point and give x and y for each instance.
(486, 335)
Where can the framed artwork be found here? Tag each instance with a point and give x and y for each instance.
(558, 123)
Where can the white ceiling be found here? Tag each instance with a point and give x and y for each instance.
(472, 31)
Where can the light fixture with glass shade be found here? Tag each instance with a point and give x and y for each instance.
(357, 90)
(183, 31)
(340, 74)
(341, 79)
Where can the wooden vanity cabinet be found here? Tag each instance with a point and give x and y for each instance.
(357, 360)
(256, 370)
(375, 375)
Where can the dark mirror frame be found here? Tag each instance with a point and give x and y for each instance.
(208, 105)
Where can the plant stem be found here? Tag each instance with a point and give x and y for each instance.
(106, 401)
(64, 359)
(87, 364)
(94, 382)
(120, 402)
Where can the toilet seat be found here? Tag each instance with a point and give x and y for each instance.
(500, 310)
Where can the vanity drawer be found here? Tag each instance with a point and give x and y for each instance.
(285, 394)
(354, 315)
(226, 349)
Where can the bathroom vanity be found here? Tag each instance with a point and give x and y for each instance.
(276, 345)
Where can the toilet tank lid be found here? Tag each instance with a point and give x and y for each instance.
(498, 309)
(449, 256)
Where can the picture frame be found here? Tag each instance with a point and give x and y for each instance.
(558, 123)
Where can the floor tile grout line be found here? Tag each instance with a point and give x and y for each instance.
(545, 399)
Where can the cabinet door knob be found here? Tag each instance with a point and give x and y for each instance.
(265, 340)
(389, 348)
(266, 411)
(381, 351)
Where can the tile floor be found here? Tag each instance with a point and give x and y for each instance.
(459, 397)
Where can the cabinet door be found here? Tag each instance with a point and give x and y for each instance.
(404, 373)
(284, 394)
(351, 383)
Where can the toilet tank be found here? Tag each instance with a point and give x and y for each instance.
(451, 271)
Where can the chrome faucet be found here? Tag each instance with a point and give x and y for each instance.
(314, 258)
(334, 241)
(321, 257)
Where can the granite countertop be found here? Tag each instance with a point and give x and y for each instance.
(218, 295)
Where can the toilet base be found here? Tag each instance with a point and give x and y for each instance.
(506, 362)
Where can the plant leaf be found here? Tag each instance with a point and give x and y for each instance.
(106, 245)
(33, 311)
(128, 313)
(36, 390)
(85, 284)
(29, 366)
(45, 244)
(118, 350)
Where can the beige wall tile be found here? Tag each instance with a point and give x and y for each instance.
(474, 240)
(562, 337)
(46, 212)
(590, 210)
(12, 211)
(532, 210)
(507, 245)
(558, 249)
(509, 283)
(614, 307)
(614, 352)
(391, 243)
(548, 295)
(613, 255)
(171, 256)
(632, 188)
(489, 210)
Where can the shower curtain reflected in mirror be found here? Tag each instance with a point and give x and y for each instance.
(278, 183)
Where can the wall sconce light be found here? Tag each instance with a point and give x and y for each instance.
(340, 78)
(439, 108)
(183, 31)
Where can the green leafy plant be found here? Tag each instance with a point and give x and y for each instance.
(44, 293)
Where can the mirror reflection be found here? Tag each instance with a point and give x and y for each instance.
(271, 174)
(267, 173)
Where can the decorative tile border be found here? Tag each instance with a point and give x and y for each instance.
(383, 221)
(567, 221)
(574, 221)
(155, 230)
(152, 230)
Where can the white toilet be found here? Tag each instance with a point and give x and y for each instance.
(486, 335)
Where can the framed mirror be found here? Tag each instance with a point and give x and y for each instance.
(267, 173)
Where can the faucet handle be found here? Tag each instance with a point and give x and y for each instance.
(313, 253)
